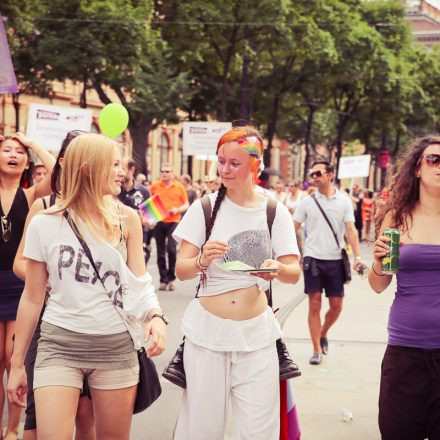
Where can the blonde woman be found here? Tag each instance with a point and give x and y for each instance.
(85, 329)
(230, 331)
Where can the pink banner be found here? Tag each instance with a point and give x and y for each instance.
(8, 83)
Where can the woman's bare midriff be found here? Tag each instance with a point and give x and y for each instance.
(238, 305)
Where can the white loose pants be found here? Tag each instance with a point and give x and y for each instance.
(249, 379)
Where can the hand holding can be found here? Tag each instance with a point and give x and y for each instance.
(390, 263)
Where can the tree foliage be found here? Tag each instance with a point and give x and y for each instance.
(313, 72)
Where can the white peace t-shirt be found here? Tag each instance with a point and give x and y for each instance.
(246, 232)
(78, 301)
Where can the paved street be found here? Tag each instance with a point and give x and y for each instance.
(347, 378)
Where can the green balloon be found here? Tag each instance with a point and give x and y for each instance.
(113, 119)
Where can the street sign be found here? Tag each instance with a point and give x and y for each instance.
(200, 138)
(354, 166)
(49, 124)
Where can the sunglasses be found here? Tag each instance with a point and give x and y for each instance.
(165, 171)
(6, 228)
(317, 173)
(432, 160)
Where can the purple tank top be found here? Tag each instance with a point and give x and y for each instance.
(414, 319)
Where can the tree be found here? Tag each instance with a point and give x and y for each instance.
(110, 46)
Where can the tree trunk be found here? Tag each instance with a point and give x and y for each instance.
(307, 137)
(384, 146)
(244, 99)
(16, 104)
(83, 97)
(397, 142)
(271, 129)
(139, 136)
(338, 142)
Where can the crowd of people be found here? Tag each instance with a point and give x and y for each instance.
(77, 301)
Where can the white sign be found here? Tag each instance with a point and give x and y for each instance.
(49, 124)
(354, 166)
(200, 138)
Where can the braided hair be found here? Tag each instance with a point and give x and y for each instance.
(219, 199)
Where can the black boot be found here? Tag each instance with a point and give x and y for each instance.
(175, 371)
(288, 368)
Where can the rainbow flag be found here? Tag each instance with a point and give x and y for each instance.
(289, 422)
(153, 210)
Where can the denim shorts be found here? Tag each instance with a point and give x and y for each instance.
(323, 275)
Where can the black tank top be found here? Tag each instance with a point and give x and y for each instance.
(17, 217)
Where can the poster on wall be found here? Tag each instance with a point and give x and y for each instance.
(354, 166)
(200, 138)
(49, 124)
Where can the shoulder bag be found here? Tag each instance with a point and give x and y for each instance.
(148, 389)
(345, 259)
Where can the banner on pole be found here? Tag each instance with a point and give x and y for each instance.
(8, 83)
(200, 138)
(354, 166)
(49, 124)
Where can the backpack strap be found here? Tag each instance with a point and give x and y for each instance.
(43, 199)
(271, 210)
(52, 199)
(207, 211)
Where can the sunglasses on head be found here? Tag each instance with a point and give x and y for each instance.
(432, 160)
(318, 173)
(6, 228)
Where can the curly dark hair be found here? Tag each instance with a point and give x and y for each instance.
(404, 191)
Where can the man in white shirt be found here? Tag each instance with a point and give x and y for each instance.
(322, 260)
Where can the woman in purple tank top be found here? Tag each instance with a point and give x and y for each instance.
(409, 401)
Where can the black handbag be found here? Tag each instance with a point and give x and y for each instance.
(148, 389)
(345, 258)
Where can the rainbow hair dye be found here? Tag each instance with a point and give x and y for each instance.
(249, 139)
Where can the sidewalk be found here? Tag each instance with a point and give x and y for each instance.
(349, 376)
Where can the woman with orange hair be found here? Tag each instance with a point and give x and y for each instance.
(230, 330)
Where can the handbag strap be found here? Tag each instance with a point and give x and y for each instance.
(326, 219)
(83, 245)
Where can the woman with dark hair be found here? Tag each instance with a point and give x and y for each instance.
(409, 401)
(85, 429)
(15, 198)
(230, 331)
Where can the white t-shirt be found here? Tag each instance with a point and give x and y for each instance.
(78, 301)
(320, 242)
(292, 203)
(246, 232)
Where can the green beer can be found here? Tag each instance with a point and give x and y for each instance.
(390, 263)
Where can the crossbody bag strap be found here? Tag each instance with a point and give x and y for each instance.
(326, 219)
(83, 245)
